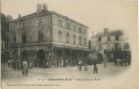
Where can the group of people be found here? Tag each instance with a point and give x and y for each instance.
(24, 65)
(81, 64)
(17, 64)
(95, 59)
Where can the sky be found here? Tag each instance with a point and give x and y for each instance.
(96, 14)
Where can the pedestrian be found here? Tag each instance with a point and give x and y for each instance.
(19, 64)
(86, 69)
(95, 68)
(105, 60)
(47, 64)
(85, 63)
(80, 64)
(16, 64)
(25, 68)
(12, 62)
(9, 63)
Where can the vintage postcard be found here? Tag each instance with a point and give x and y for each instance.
(69, 44)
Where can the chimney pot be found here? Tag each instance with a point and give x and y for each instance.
(39, 7)
(45, 8)
(19, 15)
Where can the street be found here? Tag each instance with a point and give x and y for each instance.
(9, 74)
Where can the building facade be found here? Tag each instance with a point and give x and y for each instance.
(109, 41)
(48, 38)
(4, 36)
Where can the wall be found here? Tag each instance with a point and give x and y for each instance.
(63, 41)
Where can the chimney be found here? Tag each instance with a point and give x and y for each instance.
(39, 7)
(19, 15)
(106, 31)
(45, 7)
(9, 18)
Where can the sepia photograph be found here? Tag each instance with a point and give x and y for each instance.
(69, 44)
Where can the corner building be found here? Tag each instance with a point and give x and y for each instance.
(48, 38)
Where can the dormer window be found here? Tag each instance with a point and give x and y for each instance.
(60, 23)
(68, 26)
(40, 22)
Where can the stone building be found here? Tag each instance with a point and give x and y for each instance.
(4, 36)
(109, 41)
(46, 37)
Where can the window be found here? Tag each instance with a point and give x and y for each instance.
(74, 28)
(117, 37)
(60, 23)
(40, 21)
(84, 41)
(109, 38)
(74, 36)
(40, 36)
(14, 37)
(68, 26)
(99, 39)
(79, 40)
(24, 37)
(117, 46)
(79, 29)
(59, 34)
(126, 46)
(74, 42)
(74, 39)
(23, 25)
(68, 41)
(67, 37)
(6, 45)
(84, 32)
(12, 26)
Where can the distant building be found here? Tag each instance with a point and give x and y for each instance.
(109, 41)
(46, 37)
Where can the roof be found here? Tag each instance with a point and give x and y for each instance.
(42, 13)
(32, 15)
(66, 17)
